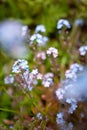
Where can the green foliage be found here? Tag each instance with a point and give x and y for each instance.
(40, 11)
(5, 106)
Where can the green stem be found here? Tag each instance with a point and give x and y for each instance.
(37, 105)
(7, 110)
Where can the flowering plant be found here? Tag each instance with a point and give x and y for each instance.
(45, 89)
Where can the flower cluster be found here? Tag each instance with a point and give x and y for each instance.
(76, 67)
(63, 22)
(67, 94)
(59, 93)
(52, 51)
(62, 123)
(20, 65)
(72, 72)
(39, 116)
(29, 79)
(72, 92)
(60, 119)
(9, 79)
(70, 126)
(23, 76)
(39, 38)
(13, 42)
(41, 55)
(83, 50)
(47, 80)
(40, 28)
(73, 104)
(79, 22)
(70, 75)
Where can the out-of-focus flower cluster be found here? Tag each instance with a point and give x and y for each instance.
(38, 38)
(40, 28)
(72, 72)
(52, 51)
(39, 116)
(41, 55)
(68, 90)
(63, 24)
(9, 79)
(48, 80)
(71, 92)
(62, 123)
(23, 77)
(83, 50)
(13, 37)
(60, 119)
(19, 66)
(73, 104)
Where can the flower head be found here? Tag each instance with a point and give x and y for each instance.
(9, 79)
(47, 80)
(20, 65)
(41, 55)
(63, 22)
(39, 39)
(83, 50)
(52, 51)
(40, 28)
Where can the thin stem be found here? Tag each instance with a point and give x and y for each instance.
(7, 110)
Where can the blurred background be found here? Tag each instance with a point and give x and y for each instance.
(34, 12)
